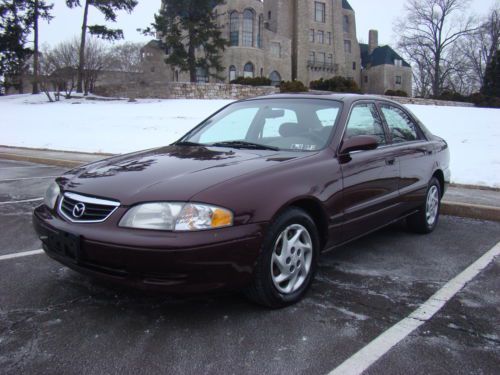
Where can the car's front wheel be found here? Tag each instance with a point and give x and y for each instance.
(426, 219)
(288, 259)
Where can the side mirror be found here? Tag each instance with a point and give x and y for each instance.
(359, 143)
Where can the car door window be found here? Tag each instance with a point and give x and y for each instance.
(364, 120)
(402, 128)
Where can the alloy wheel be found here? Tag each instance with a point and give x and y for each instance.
(432, 205)
(291, 259)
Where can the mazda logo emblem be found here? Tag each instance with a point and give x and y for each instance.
(79, 210)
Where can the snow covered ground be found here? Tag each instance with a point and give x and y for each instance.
(120, 127)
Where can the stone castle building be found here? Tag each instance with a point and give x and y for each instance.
(294, 39)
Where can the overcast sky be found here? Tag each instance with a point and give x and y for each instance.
(370, 14)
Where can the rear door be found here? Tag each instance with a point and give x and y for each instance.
(370, 178)
(414, 154)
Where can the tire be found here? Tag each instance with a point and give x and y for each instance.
(426, 219)
(287, 262)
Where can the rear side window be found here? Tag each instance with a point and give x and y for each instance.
(364, 120)
(401, 126)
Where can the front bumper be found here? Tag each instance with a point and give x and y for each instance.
(194, 262)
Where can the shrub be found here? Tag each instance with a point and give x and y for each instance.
(452, 96)
(293, 86)
(257, 81)
(336, 84)
(485, 101)
(396, 93)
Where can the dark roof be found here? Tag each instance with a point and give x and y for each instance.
(346, 5)
(155, 43)
(384, 55)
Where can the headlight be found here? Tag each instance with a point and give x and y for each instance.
(51, 195)
(176, 217)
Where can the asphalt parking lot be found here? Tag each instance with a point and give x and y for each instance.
(55, 321)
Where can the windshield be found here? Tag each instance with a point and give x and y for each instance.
(275, 124)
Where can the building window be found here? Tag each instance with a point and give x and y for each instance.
(312, 57)
(261, 26)
(234, 29)
(347, 46)
(329, 38)
(248, 70)
(269, 14)
(275, 49)
(201, 75)
(330, 60)
(321, 58)
(366, 79)
(275, 78)
(319, 11)
(399, 80)
(312, 36)
(176, 76)
(248, 17)
(346, 24)
(398, 62)
(321, 37)
(354, 66)
(232, 73)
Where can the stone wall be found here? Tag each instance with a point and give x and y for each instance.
(184, 91)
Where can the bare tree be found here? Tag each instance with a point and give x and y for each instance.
(97, 59)
(60, 66)
(432, 28)
(63, 63)
(480, 47)
(126, 57)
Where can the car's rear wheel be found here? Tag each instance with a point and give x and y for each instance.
(287, 262)
(426, 219)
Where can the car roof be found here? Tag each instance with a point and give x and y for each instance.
(343, 97)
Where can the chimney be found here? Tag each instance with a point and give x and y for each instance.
(373, 41)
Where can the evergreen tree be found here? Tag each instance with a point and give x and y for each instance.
(108, 8)
(191, 36)
(19, 18)
(13, 39)
(491, 84)
(37, 9)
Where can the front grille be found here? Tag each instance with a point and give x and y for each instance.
(83, 209)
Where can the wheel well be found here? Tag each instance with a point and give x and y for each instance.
(440, 176)
(318, 215)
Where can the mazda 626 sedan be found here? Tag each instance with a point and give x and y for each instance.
(249, 198)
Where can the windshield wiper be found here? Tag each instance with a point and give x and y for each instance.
(188, 143)
(244, 144)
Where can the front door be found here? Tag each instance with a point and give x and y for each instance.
(370, 178)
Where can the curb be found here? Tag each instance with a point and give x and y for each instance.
(471, 211)
(32, 159)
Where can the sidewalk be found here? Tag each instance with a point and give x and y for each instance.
(464, 201)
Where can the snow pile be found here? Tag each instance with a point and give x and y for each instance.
(474, 138)
(119, 127)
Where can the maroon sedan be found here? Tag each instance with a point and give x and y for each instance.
(250, 197)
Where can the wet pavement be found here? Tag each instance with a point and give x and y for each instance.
(55, 321)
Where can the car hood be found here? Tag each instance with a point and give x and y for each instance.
(173, 173)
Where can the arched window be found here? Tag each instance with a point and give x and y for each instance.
(275, 78)
(248, 71)
(232, 73)
(261, 27)
(248, 18)
(234, 29)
